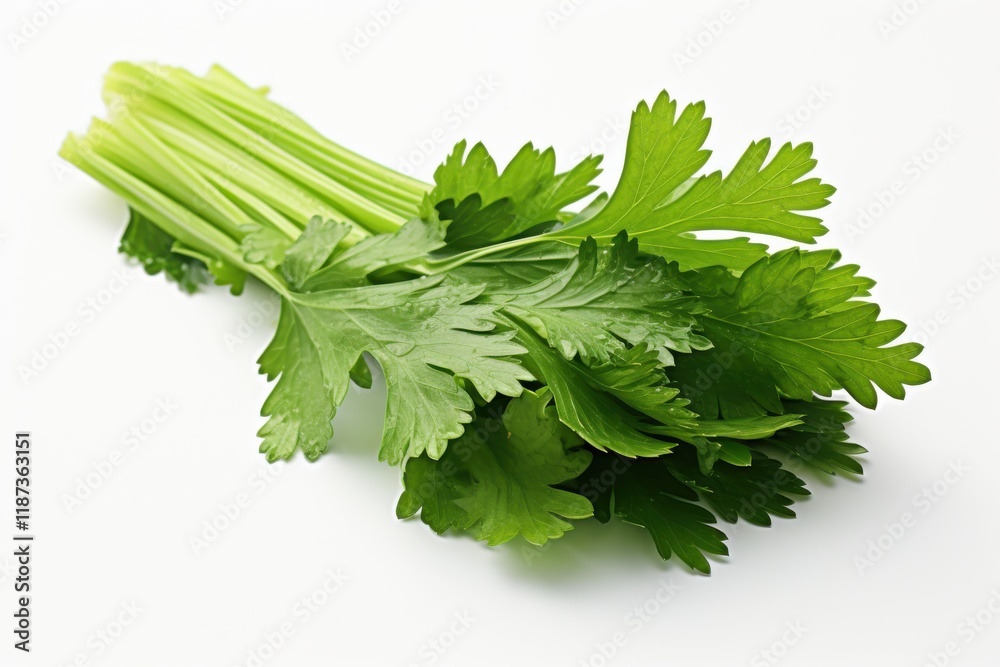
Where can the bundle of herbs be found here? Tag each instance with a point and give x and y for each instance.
(545, 361)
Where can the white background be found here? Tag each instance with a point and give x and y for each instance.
(879, 98)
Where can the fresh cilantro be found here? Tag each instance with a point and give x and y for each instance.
(657, 203)
(499, 479)
(647, 494)
(637, 357)
(789, 326)
(154, 250)
(485, 206)
(426, 335)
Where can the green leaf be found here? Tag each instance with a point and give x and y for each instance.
(264, 245)
(221, 270)
(153, 248)
(354, 265)
(604, 300)
(517, 268)
(708, 436)
(361, 374)
(744, 428)
(663, 151)
(646, 493)
(756, 492)
(320, 259)
(497, 481)
(663, 496)
(586, 406)
(485, 206)
(635, 378)
(821, 441)
(734, 452)
(311, 250)
(425, 334)
(656, 203)
(626, 406)
(777, 332)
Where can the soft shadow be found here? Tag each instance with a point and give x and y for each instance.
(357, 427)
(591, 549)
(103, 205)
